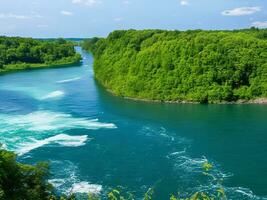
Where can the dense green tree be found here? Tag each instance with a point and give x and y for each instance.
(19, 181)
(197, 66)
(90, 43)
(19, 53)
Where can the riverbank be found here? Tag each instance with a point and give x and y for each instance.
(66, 62)
(260, 100)
(241, 101)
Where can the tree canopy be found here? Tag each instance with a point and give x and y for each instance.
(20, 181)
(196, 66)
(19, 53)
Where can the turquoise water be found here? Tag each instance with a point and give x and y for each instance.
(95, 141)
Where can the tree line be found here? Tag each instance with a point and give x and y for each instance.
(195, 65)
(16, 52)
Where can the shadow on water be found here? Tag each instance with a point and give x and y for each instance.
(16, 102)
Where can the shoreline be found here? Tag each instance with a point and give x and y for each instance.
(259, 101)
(26, 66)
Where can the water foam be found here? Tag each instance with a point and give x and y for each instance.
(43, 127)
(85, 187)
(40, 121)
(152, 131)
(230, 192)
(57, 182)
(69, 80)
(66, 181)
(61, 139)
(54, 94)
(192, 175)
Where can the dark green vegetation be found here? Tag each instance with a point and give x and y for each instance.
(193, 66)
(90, 44)
(20, 181)
(25, 182)
(26, 53)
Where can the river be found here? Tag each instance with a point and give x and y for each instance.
(95, 141)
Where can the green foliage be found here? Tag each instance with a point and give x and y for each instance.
(117, 194)
(207, 166)
(19, 181)
(149, 194)
(202, 196)
(25, 53)
(114, 195)
(195, 66)
(93, 197)
(90, 43)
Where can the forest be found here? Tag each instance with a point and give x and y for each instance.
(25, 53)
(191, 66)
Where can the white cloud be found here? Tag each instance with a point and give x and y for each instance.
(184, 2)
(241, 11)
(260, 24)
(14, 16)
(87, 2)
(67, 13)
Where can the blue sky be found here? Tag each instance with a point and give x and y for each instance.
(87, 18)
